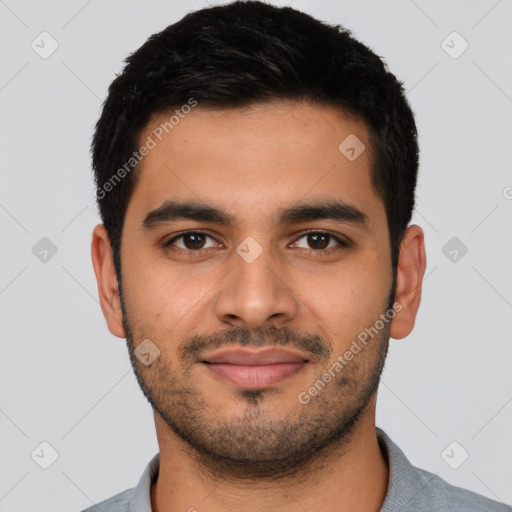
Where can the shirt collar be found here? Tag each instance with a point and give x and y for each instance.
(407, 483)
(141, 501)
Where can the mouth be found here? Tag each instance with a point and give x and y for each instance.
(250, 368)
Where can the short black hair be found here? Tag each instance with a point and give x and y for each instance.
(248, 52)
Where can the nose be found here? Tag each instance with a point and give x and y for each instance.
(255, 294)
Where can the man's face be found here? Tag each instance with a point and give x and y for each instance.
(257, 283)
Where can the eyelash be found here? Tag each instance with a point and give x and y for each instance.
(318, 252)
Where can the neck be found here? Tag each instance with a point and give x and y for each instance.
(350, 476)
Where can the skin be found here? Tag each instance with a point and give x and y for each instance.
(251, 162)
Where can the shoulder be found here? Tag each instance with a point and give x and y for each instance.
(443, 496)
(118, 503)
(412, 489)
(137, 499)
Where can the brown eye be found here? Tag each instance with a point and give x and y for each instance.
(190, 241)
(319, 240)
(194, 241)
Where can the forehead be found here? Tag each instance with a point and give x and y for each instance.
(250, 160)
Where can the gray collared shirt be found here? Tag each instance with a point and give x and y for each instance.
(410, 489)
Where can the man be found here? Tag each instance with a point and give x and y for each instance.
(256, 172)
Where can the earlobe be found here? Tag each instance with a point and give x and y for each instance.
(108, 287)
(411, 269)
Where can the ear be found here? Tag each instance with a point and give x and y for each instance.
(108, 287)
(411, 269)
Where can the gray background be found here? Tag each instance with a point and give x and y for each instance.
(65, 380)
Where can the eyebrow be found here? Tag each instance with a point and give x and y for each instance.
(339, 211)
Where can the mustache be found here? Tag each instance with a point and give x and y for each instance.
(319, 348)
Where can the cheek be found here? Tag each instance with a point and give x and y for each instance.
(346, 299)
(160, 296)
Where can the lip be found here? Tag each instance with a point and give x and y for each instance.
(250, 368)
(254, 357)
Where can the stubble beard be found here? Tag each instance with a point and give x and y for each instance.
(250, 445)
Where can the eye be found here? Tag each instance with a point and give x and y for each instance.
(190, 241)
(321, 240)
